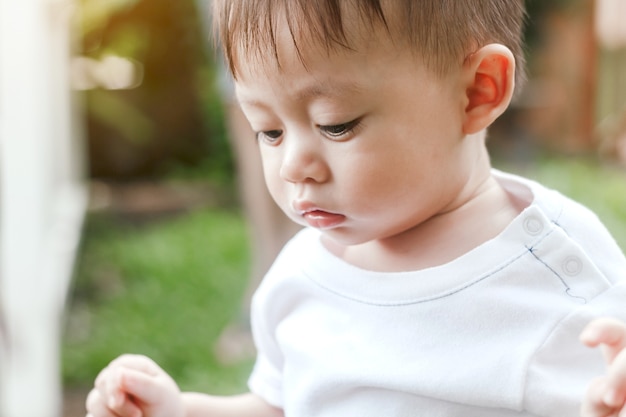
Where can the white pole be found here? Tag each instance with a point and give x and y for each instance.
(41, 203)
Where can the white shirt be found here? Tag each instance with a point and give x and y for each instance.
(492, 333)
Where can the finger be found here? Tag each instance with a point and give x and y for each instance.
(112, 388)
(593, 404)
(137, 362)
(101, 379)
(127, 408)
(146, 388)
(608, 332)
(111, 391)
(616, 382)
(96, 406)
(129, 382)
(109, 381)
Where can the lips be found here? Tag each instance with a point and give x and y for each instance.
(316, 217)
(323, 219)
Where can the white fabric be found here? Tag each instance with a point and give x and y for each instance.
(493, 333)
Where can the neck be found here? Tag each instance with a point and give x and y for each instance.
(481, 210)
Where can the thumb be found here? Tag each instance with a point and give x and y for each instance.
(146, 388)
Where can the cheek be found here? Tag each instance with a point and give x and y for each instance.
(372, 180)
(401, 171)
(271, 174)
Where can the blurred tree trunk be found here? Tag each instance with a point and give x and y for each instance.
(561, 95)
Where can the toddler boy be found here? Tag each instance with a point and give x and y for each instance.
(426, 283)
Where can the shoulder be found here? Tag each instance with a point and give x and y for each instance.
(559, 208)
(580, 226)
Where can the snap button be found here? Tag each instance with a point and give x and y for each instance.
(572, 265)
(533, 225)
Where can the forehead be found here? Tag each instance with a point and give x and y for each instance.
(304, 90)
(337, 79)
(316, 72)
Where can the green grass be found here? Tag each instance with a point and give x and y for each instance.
(164, 289)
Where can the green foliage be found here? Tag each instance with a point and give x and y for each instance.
(95, 13)
(165, 290)
(113, 110)
(170, 114)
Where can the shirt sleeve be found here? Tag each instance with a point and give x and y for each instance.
(266, 377)
(562, 368)
(265, 381)
(271, 305)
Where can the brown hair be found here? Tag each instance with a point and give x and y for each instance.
(442, 32)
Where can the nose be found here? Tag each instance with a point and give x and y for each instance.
(303, 160)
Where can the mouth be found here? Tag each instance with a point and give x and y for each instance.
(318, 218)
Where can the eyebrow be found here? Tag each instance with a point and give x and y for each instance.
(328, 88)
(321, 89)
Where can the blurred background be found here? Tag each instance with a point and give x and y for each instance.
(114, 111)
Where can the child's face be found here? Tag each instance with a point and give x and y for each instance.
(364, 145)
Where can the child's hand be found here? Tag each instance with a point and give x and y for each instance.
(134, 386)
(606, 396)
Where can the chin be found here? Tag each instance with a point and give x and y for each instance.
(344, 238)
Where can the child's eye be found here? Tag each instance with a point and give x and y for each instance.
(269, 136)
(340, 130)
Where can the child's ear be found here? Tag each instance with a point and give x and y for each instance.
(490, 74)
